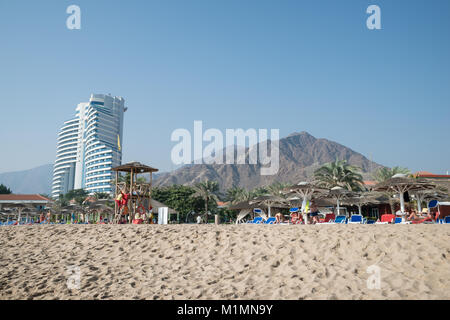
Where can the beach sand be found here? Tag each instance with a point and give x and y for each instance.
(225, 262)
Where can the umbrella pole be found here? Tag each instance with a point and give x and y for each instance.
(304, 214)
(338, 207)
(419, 204)
(402, 206)
(269, 212)
(359, 210)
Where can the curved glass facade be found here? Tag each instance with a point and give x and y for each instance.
(66, 152)
(89, 146)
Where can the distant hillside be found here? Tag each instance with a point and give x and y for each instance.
(300, 155)
(36, 180)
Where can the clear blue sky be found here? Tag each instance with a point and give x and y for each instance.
(294, 65)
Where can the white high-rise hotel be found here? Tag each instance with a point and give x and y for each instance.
(89, 146)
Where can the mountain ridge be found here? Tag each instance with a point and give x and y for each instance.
(36, 180)
(300, 154)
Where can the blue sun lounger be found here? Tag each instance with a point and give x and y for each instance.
(356, 218)
(340, 219)
(398, 220)
(257, 220)
(271, 220)
(446, 220)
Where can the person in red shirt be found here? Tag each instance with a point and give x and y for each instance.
(41, 217)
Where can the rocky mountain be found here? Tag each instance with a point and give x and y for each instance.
(33, 181)
(299, 154)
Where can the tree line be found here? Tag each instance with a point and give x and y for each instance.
(203, 196)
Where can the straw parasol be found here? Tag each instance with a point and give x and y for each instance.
(339, 194)
(19, 209)
(426, 195)
(242, 205)
(304, 191)
(270, 202)
(400, 184)
(364, 198)
(244, 208)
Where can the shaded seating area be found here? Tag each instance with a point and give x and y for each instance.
(18, 209)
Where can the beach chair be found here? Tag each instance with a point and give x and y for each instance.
(386, 219)
(257, 220)
(329, 219)
(446, 220)
(356, 219)
(398, 220)
(341, 219)
(271, 220)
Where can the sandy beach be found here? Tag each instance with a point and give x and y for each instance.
(225, 262)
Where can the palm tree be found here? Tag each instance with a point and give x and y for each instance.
(208, 191)
(101, 195)
(275, 188)
(246, 195)
(235, 194)
(383, 174)
(339, 174)
(258, 191)
(127, 177)
(4, 189)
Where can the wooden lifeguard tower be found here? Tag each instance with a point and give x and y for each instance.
(135, 192)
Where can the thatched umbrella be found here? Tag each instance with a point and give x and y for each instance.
(6, 213)
(305, 191)
(99, 207)
(339, 194)
(19, 208)
(245, 208)
(363, 198)
(242, 205)
(400, 184)
(270, 202)
(425, 195)
(64, 213)
(30, 212)
(73, 208)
